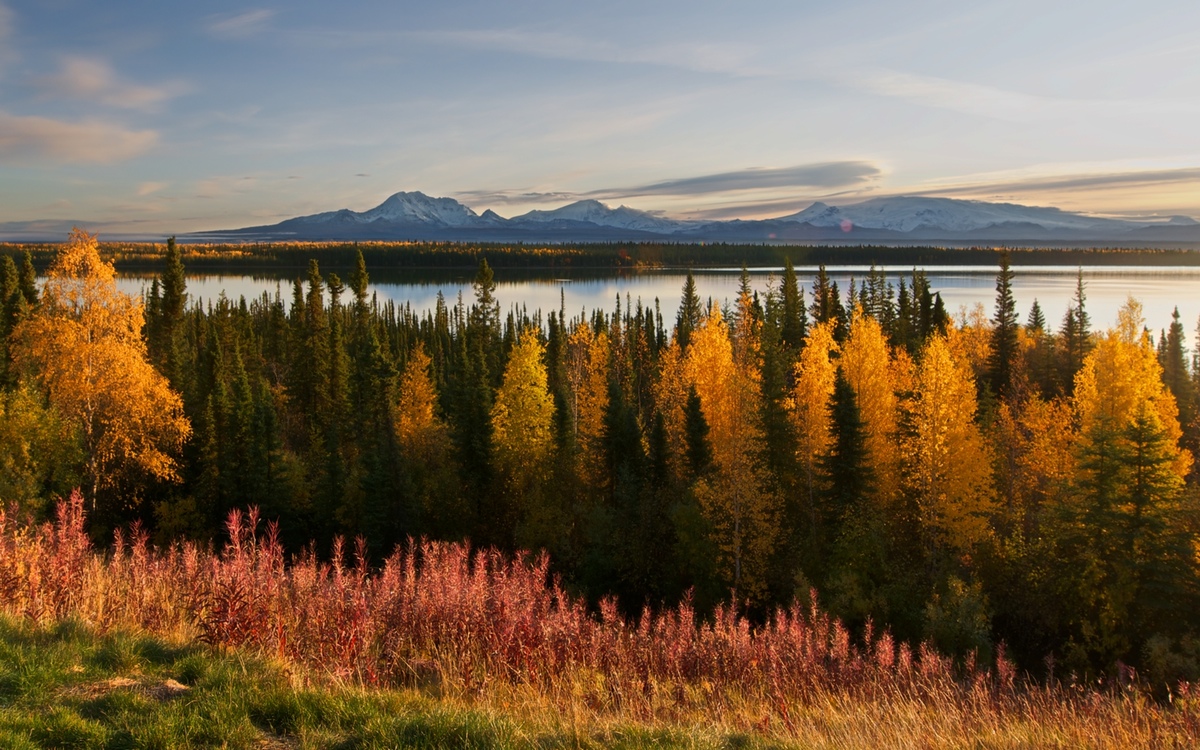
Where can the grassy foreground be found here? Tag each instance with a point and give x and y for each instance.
(66, 686)
(441, 647)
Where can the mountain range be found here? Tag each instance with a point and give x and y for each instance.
(889, 220)
(903, 219)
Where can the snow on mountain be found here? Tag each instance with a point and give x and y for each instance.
(906, 214)
(595, 212)
(415, 215)
(418, 208)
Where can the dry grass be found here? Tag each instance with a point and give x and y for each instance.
(478, 629)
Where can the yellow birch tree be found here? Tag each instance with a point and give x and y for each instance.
(1122, 378)
(523, 415)
(84, 346)
(868, 368)
(738, 499)
(808, 406)
(949, 469)
(587, 376)
(670, 398)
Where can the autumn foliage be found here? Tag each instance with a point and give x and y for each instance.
(867, 453)
(485, 627)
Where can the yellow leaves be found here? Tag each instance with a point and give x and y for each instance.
(737, 499)
(808, 406)
(523, 414)
(1036, 446)
(868, 368)
(949, 469)
(743, 510)
(418, 429)
(1121, 377)
(587, 375)
(722, 387)
(970, 342)
(84, 347)
(670, 395)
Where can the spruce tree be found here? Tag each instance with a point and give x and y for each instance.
(690, 313)
(794, 322)
(848, 475)
(1004, 332)
(696, 429)
(28, 281)
(1074, 337)
(1036, 323)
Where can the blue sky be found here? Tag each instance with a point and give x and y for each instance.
(171, 117)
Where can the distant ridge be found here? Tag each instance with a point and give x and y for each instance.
(901, 219)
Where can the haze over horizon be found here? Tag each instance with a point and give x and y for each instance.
(148, 117)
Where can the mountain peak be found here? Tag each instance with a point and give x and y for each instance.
(417, 208)
(907, 218)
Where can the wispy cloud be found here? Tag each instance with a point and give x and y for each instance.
(6, 22)
(993, 102)
(94, 80)
(819, 176)
(705, 56)
(1062, 183)
(239, 24)
(822, 175)
(150, 188)
(32, 139)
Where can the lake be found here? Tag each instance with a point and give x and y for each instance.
(1159, 289)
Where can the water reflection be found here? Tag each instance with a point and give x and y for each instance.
(1159, 289)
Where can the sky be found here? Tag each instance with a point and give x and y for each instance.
(153, 117)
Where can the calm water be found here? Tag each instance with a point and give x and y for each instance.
(1159, 290)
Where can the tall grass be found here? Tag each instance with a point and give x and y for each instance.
(479, 626)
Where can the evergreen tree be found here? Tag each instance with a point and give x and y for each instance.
(1004, 332)
(1036, 323)
(690, 313)
(1173, 358)
(849, 479)
(1074, 337)
(28, 281)
(699, 449)
(794, 324)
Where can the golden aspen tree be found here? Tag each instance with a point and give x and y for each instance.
(84, 346)
(418, 429)
(523, 416)
(949, 469)
(1127, 527)
(587, 377)
(670, 398)
(1034, 443)
(737, 497)
(867, 366)
(808, 405)
(424, 441)
(970, 341)
(1121, 378)
(747, 332)
(709, 368)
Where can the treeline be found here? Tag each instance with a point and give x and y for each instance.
(967, 481)
(385, 257)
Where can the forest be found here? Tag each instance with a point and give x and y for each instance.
(974, 480)
(436, 260)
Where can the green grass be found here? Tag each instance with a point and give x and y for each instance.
(66, 687)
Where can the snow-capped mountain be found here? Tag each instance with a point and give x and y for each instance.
(907, 214)
(903, 219)
(418, 208)
(595, 212)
